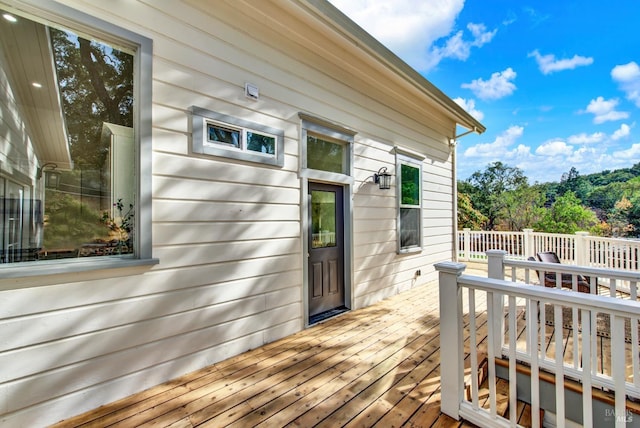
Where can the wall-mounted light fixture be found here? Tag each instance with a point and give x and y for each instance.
(383, 178)
(51, 175)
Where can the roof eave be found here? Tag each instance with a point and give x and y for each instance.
(348, 28)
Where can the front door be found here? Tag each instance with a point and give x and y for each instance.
(326, 248)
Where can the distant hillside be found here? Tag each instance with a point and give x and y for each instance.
(606, 203)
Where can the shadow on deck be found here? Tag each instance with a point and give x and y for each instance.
(377, 366)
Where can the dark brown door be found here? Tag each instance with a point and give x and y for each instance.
(326, 248)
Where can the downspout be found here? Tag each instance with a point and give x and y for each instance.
(453, 143)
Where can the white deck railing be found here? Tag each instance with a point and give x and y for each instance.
(527, 339)
(579, 249)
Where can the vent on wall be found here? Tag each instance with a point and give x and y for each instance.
(251, 91)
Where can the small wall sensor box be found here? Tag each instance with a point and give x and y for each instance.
(251, 91)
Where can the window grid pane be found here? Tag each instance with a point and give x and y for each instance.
(410, 179)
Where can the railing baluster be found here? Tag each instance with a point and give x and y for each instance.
(532, 334)
(513, 392)
(559, 368)
(618, 368)
(473, 348)
(635, 348)
(587, 350)
(491, 356)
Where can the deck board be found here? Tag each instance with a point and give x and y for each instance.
(374, 367)
(378, 366)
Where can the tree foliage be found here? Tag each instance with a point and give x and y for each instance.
(567, 215)
(487, 189)
(96, 86)
(606, 203)
(468, 216)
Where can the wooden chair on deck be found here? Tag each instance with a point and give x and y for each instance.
(566, 278)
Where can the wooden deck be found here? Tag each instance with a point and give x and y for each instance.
(377, 366)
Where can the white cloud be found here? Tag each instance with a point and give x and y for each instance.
(498, 86)
(499, 146)
(457, 47)
(554, 148)
(470, 107)
(549, 64)
(631, 153)
(583, 138)
(605, 110)
(624, 131)
(406, 27)
(628, 78)
(411, 29)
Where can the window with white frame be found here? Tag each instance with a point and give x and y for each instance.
(75, 160)
(409, 179)
(218, 134)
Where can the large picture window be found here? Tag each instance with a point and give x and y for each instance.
(409, 176)
(70, 150)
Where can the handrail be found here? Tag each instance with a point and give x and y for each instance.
(578, 249)
(583, 369)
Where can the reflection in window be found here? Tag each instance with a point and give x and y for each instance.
(72, 112)
(409, 227)
(243, 139)
(323, 219)
(261, 143)
(325, 155)
(222, 135)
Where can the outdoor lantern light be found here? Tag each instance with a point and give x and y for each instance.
(383, 178)
(51, 176)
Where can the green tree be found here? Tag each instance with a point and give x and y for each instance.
(523, 207)
(567, 215)
(468, 216)
(96, 86)
(487, 188)
(572, 181)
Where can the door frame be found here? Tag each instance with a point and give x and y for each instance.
(347, 193)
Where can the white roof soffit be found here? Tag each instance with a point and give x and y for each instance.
(344, 25)
(28, 46)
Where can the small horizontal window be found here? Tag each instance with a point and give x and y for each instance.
(226, 136)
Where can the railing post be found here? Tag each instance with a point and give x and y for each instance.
(451, 349)
(528, 243)
(495, 270)
(466, 244)
(581, 249)
(495, 261)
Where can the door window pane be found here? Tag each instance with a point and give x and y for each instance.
(325, 155)
(323, 219)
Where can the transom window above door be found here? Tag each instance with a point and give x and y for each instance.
(326, 150)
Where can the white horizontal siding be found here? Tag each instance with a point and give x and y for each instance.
(227, 233)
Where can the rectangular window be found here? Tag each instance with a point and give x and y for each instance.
(326, 150)
(410, 203)
(217, 134)
(325, 155)
(70, 174)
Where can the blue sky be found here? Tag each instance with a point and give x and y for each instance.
(556, 82)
